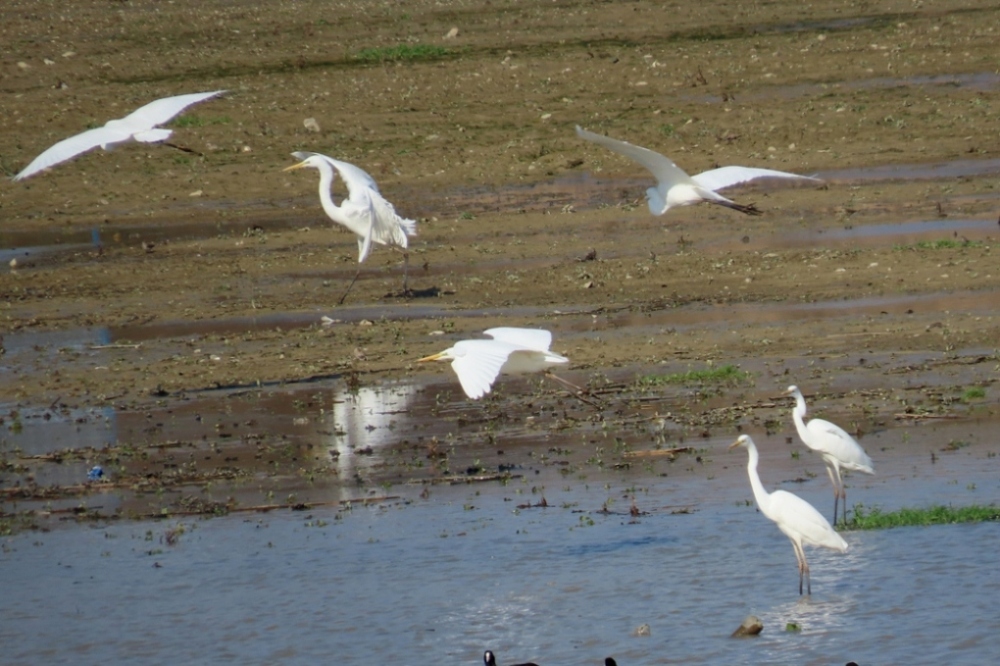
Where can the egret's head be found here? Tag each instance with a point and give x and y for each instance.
(446, 355)
(309, 161)
(742, 440)
(792, 390)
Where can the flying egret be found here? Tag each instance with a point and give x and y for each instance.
(675, 188)
(512, 351)
(139, 125)
(830, 441)
(797, 518)
(490, 660)
(365, 211)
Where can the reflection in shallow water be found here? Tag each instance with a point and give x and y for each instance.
(365, 422)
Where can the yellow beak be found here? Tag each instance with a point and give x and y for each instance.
(734, 445)
(300, 165)
(432, 357)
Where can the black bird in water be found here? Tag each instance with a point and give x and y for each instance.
(490, 660)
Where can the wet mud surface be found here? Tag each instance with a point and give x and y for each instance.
(162, 313)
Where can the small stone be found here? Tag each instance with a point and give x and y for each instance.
(642, 630)
(196, 193)
(751, 627)
(311, 125)
(452, 34)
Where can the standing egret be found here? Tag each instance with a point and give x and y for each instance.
(830, 441)
(489, 659)
(365, 211)
(797, 518)
(675, 188)
(139, 125)
(512, 351)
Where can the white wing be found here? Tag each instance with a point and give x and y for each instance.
(730, 176)
(356, 178)
(71, 147)
(388, 227)
(666, 172)
(831, 439)
(536, 339)
(795, 516)
(115, 131)
(162, 110)
(477, 364)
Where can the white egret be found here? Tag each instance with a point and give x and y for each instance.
(839, 450)
(797, 518)
(140, 125)
(365, 211)
(675, 188)
(489, 659)
(512, 351)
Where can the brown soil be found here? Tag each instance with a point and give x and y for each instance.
(519, 221)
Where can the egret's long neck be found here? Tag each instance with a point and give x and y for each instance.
(762, 496)
(798, 412)
(325, 196)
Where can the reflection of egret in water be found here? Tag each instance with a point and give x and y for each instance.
(363, 423)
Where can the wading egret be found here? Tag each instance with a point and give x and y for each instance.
(675, 188)
(830, 441)
(490, 660)
(797, 518)
(139, 125)
(365, 211)
(512, 351)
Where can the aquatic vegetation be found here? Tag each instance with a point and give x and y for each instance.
(402, 53)
(876, 519)
(943, 244)
(724, 374)
(974, 393)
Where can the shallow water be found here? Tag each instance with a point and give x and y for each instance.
(439, 581)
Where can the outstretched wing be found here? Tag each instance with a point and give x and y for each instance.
(70, 148)
(140, 121)
(477, 364)
(730, 176)
(663, 169)
(355, 178)
(162, 110)
(536, 339)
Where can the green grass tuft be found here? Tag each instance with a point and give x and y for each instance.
(974, 393)
(876, 519)
(402, 53)
(725, 374)
(944, 244)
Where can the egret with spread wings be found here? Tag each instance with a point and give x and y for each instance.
(512, 351)
(140, 125)
(365, 211)
(675, 188)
